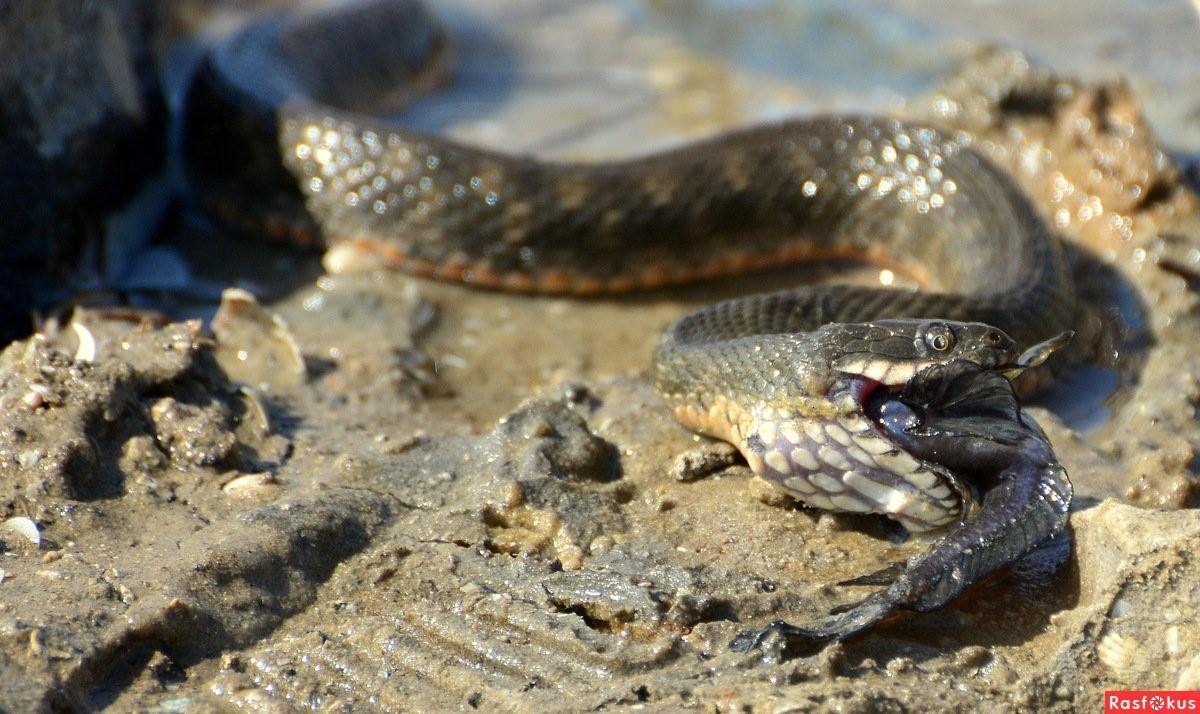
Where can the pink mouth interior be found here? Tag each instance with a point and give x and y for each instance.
(862, 388)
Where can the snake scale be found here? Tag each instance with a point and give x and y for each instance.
(279, 138)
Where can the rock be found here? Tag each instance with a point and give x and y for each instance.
(548, 438)
(81, 127)
(1134, 625)
(73, 425)
(709, 458)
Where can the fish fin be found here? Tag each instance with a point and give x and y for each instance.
(839, 625)
(883, 576)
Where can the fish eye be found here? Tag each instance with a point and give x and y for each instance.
(939, 337)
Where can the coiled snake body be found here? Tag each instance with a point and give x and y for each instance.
(783, 376)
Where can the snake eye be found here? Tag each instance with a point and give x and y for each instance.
(939, 337)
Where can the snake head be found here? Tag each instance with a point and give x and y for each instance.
(961, 416)
(891, 352)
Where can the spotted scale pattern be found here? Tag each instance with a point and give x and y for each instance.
(851, 466)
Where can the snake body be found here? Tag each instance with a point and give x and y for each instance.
(782, 376)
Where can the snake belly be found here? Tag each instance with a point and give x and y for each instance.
(282, 143)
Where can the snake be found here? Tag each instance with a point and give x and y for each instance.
(282, 137)
(966, 418)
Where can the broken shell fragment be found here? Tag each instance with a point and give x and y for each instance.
(251, 485)
(24, 527)
(86, 351)
(255, 346)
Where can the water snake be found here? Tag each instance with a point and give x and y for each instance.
(279, 138)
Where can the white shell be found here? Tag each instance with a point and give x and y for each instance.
(24, 527)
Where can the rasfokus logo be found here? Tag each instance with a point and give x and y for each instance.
(1146, 701)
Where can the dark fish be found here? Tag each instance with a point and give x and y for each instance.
(968, 420)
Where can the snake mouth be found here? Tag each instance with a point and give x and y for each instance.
(862, 389)
(878, 404)
(865, 376)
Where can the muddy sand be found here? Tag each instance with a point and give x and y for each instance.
(375, 491)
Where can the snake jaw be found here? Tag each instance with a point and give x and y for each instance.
(889, 372)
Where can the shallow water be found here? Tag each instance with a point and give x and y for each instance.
(843, 49)
(871, 54)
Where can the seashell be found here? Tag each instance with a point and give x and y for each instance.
(250, 484)
(1123, 655)
(24, 527)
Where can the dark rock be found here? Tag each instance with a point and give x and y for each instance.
(81, 127)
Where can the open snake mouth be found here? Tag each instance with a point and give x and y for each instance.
(862, 389)
(879, 402)
(889, 415)
(879, 405)
(895, 410)
(881, 378)
(866, 376)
